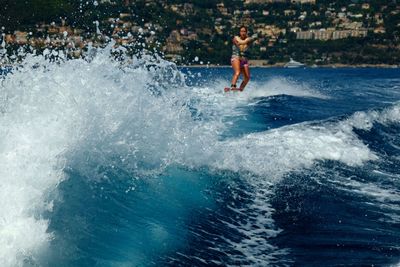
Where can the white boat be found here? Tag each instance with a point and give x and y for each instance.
(293, 64)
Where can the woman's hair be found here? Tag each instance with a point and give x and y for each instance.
(243, 27)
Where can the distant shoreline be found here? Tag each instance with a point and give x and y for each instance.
(281, 65)
(278, 65)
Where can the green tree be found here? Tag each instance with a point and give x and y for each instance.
(22, 14)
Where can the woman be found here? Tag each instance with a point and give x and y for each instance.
(239, 59)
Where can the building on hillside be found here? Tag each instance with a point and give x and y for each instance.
(21, 37)
(221, 7)
(289, 12)
(173, 57)
(173, 48)
(365, 6)
(174, 37)
(351, 25)
(323, 35)
(174, 8)
(220, 29)
(330, 34)
(9, 38)
(270, 30)
(380, 30)
(295, 29)
(315, 24)
(378, 18)
(359, 33)
(340, 34)
(304, 35)
(249, 2)
(312, 2)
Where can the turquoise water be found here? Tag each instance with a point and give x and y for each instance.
(151, 165)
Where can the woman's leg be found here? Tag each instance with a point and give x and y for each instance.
(236, 70)
(246, 76)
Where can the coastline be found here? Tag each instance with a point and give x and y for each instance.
(277, 65)
(281, 65)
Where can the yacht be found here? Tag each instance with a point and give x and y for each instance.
(293, 64)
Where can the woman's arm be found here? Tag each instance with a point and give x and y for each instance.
(238, 41)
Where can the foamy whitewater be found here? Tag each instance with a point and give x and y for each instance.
(139, 163)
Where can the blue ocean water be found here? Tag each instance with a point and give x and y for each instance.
(154, 165)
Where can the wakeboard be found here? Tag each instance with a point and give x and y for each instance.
(227, 89)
